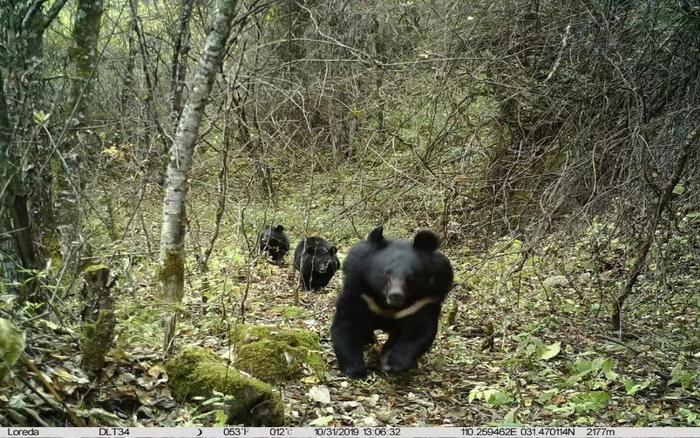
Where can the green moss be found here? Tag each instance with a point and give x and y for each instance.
(172, 269)
(53, 248)
(245, 333)
(198, 372)
(276, 361)
(171, 265)
(276, 354)
(95, 341)
(290, 312)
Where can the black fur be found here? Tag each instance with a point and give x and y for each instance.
(396, 275)
(274, 241)
(317, 260)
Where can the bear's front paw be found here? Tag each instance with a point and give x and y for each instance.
(396, 363)
(356, 373)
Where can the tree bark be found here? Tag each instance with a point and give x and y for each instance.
(25, 26)
(129, 79)
(179, 65)
(689, 148)
(17, 249)
(83, 57)
(171, 275)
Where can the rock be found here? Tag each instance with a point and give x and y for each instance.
(320, 394)
(196, 372)
(275, 354)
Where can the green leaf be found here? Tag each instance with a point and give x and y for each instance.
(678, 190)
(632, 388)
(682, 376)
(95, 267)
(476, 393)
(547, 395)
(550, 351)
(491, 396)
(607, 366)
(509, 420)
(591, 401)
(40, 117)
(497, 397)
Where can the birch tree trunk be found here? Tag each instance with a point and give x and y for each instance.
(179, 65)
(172, 242)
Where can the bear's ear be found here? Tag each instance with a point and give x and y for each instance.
(279, 228)
(426, 240)
(376, 236)
(333, 250)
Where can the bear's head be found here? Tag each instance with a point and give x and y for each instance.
(322, 259)
(400, 269)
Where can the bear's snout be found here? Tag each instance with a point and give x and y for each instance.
(395, 298)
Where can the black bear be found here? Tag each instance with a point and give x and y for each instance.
(317, 261)
(393, 285)
(274, 241)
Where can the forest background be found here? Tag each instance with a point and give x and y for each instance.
(552, 145)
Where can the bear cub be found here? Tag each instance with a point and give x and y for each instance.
(317, 261)
(274, 241)
(393, 285)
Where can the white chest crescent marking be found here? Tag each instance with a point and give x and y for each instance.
(394, 314)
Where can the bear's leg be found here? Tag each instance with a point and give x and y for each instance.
(349, 339)
(409, 342)
(279, 258)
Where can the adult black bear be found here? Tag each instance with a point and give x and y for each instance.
(274, 241)
(317, 261)
(394, 285)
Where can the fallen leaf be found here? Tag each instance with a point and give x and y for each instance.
(322, 421)
(320, 394)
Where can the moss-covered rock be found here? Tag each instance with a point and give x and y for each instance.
(276, 354)
(246, 333)
(197, 372)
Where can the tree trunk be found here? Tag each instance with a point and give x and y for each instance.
(129, 79)
(25, 26)
(98, 318)
(179, 64)
(17, 247)
(171, 275)
(83, 57)
(689, 148)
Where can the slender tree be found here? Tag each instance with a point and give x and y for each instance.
(84, 58)
(179, 65)
(172, 244)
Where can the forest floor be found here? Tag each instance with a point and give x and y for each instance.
(530, 344)
(522, 349)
